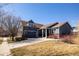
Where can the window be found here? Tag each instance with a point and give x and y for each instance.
(30, 24)
(55, 28)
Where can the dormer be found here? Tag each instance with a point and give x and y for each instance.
(30, 23)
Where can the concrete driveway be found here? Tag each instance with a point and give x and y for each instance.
(29, 41)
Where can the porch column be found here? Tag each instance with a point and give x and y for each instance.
(51, 30)
(42, 32)
(46, 33)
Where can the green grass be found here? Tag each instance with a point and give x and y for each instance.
(48, 48)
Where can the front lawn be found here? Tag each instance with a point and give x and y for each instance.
(48, 48)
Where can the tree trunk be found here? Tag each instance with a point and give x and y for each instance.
(12, 39)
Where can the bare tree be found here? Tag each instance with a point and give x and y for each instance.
(11, 24)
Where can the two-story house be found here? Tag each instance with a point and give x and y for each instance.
(29, 29)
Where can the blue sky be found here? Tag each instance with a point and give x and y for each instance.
(46, 13)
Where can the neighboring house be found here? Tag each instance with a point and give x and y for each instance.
(56, 29)
(75, 30)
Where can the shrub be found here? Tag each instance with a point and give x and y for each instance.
(75, 39)
(67, 38)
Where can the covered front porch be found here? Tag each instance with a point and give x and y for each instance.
(48, 33)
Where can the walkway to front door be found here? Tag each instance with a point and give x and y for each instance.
(29, 41)
(4, 48)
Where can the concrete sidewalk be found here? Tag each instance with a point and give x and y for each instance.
(4, 48)
(29, 41)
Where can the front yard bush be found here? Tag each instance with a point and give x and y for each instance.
(1, 41)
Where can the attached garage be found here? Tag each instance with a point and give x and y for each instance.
(30, 34)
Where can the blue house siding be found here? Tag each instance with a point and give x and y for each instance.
(29, 32)
(61, 29)
(65, 29)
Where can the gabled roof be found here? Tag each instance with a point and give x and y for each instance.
(24, 23)
(30, 21)
(54, 25)
(58, 25)
(35, 25)
(38, 26)
(61, 24)
(49, 25)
